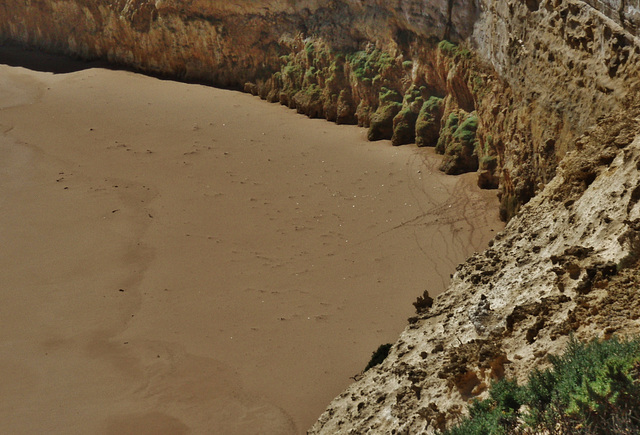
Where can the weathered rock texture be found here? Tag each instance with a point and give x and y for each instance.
(506, 88)
(567, 263)
(545, 70)
(565, 64)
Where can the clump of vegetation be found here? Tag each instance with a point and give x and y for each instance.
(379, 355)
(387, 95)
(450, 126)
(459, 144)
(381, 126)
(369, 63)
(466, 132)
(404, 123)
(593, 388)
(453, 50)
(309, 48)
(423, 303)
(293, 73)
(428, 122)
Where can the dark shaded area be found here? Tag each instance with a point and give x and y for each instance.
(19, 56)
(379, 355)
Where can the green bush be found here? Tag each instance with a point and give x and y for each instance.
(447, 47)
(309, 48)
(450, 126)
(453, 50)
(433, 104)
(592, 388)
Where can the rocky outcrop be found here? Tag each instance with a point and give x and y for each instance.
(532, 91)
(566, 264)
(565, 64)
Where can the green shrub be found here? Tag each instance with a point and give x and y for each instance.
(314, 92)
(496, 415)
(447, 47)
(432, 104)
(450, 126)
(592, 388)
(292, 72)
(309, 48)
(428, 122)
(412, 94)
(453, 50)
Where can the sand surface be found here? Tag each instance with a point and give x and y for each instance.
(182, 259)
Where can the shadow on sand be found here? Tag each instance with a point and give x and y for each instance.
(18, 56)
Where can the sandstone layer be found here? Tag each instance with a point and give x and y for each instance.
(566, 264)
(532, 92)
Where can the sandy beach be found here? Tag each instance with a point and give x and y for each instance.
(182, 259)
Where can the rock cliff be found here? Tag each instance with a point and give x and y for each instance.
(525, 94)
(566, 264)
(535, 95)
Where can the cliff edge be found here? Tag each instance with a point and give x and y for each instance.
(566, 264)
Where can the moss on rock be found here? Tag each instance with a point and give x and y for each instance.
(459, 144)
(381, 126)
(428, 123)
(404, 123)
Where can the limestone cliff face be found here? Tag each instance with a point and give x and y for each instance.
(567, 263)
(566, 64)
(545, 70)
(535, 95)
(223, 43)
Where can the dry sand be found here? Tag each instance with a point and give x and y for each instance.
(182, 259)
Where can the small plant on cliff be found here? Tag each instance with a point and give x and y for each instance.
(450, 126)
(593, 388)
(369, 63)
(453, 50)
(389, 96)
(466, 132)
(433, 104)
(309, 48)
(423, 303)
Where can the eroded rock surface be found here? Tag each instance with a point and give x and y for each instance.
(544, 70)
(566, 264)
